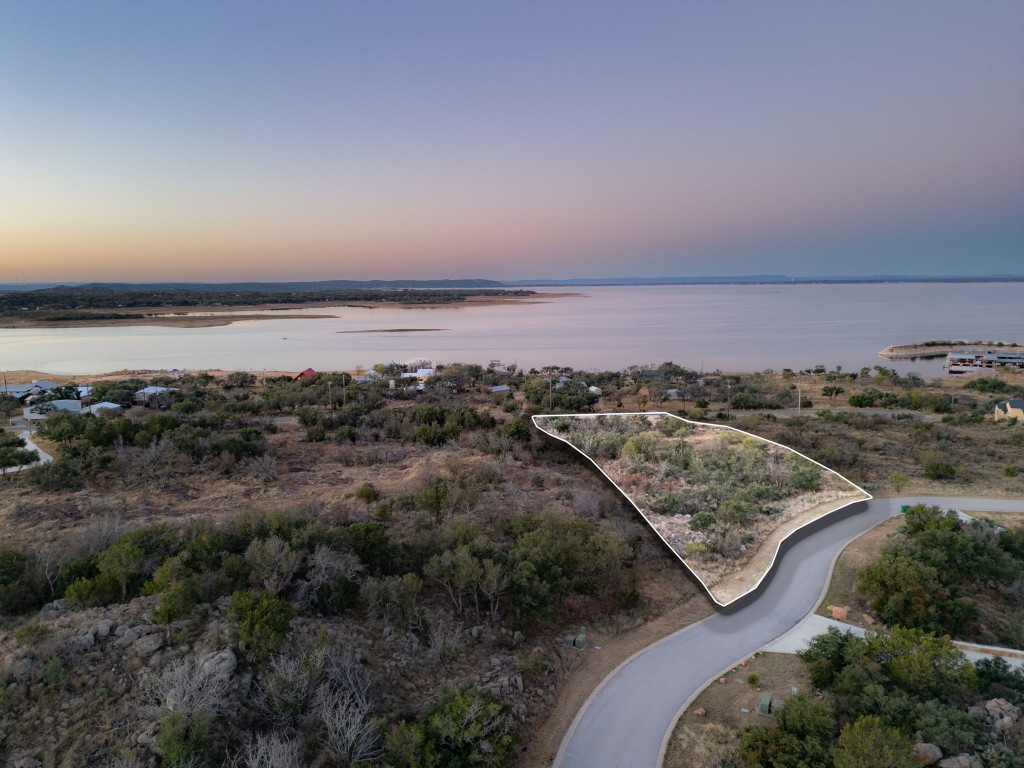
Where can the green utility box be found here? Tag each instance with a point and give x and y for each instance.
(904, 508)
(765, 707)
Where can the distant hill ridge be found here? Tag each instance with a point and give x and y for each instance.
(348, 285)
(318, 285)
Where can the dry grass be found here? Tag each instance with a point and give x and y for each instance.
(709, 741)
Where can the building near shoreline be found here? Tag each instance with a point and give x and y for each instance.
(992, 358)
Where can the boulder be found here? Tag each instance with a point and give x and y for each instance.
(220, 664)
(1004, 724)
(700, 712)
(928, 754)
(839, 612)
(148, 644)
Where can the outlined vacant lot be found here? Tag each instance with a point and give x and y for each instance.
(722, 499)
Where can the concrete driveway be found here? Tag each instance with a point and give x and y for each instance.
(628, 718)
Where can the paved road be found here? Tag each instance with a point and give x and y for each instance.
(627, 718)
(20, 427)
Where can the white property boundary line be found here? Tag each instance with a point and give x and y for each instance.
(713, 426)
(821, 596)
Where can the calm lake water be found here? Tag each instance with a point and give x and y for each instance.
(732, 328)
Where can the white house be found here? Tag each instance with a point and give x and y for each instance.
(39, 411)
(99, 408)
(144, 394)
(420, 374)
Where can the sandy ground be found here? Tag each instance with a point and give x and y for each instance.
(697, 741)
(206, 317)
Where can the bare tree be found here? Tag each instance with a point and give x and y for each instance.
(350, 735)
(493, 585)
(347, 674)
(185, 687)
(100, 532)
(123, 762)
(268, 750)
(274, 562)
(326, 564)
(285, 692)
(263, 467)
(444, 642)
(50, 559)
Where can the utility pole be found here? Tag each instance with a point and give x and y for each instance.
(330, 395)
(344, 390)
(799, 400)
(549, 394)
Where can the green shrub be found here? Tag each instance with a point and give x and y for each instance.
(939, 470)
(102, 589)
(466, 728)
(260, 622)
(184, 738)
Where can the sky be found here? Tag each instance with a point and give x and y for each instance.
(190, 140)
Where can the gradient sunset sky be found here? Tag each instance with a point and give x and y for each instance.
(189, 140)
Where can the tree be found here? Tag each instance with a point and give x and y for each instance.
(900, 588)
(459, 572)
(14, 453)
(471, 728)
(392, 598)
(187, 688)
(898, 481)
(831, 392)
(350, 735)
(63, 392)
(368, 494)
(274, 563)
(922, 664)
(123, 560)
(260, 622)
(269, 750)
(869, 743)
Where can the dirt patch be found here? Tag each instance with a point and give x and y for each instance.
(703, 742)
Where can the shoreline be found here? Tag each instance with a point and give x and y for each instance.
(210, 317)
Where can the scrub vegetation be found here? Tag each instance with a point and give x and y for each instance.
(714, 494)
(320, 571)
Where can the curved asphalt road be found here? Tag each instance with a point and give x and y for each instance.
(627, 718)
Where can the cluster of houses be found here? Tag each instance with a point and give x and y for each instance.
(38, 401)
